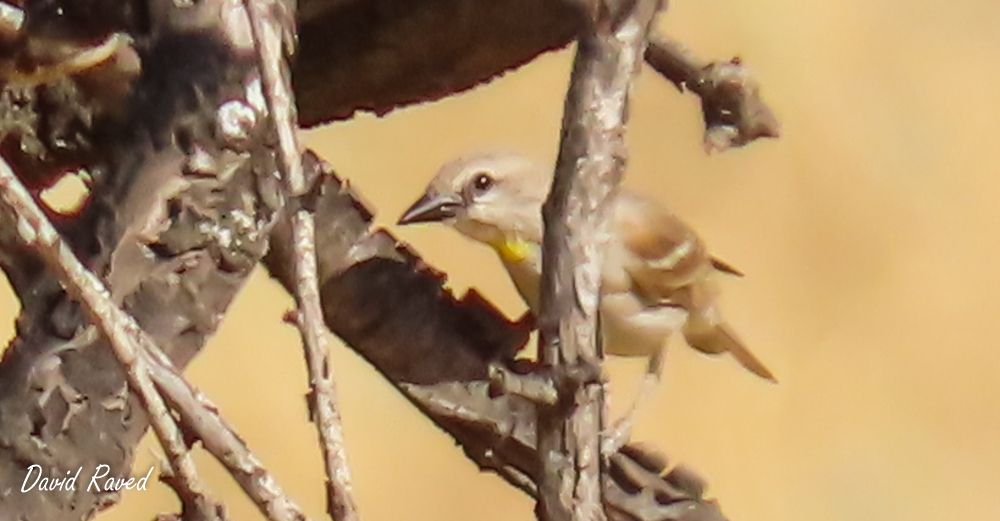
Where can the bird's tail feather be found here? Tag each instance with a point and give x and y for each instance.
(720, 339)
(725, 267)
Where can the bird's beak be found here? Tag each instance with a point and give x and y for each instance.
(431, 209)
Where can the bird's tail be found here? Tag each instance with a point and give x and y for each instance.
(719, 338)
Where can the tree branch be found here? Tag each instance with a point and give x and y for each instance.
(385, 54)
(126, 338)
(733, 111)
(592, 156)
(402, 52)
(178, 147)
(271, 21)
(179, 212)
(391, 308)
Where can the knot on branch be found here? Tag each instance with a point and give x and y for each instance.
(733, 111)
(543, 385)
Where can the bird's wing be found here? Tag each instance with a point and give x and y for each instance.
(660, 252)
(669, 265)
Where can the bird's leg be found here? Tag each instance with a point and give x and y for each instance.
(619, 434)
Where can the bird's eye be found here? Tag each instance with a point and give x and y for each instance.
(482, 182)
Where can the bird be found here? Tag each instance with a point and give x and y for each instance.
(657, 277)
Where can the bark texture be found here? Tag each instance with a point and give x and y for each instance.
(592, 157)
(184, 204)
(177, 220)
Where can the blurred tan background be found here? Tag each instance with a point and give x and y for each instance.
(869, 234)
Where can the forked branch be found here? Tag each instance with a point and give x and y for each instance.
(126, 338)
(194, 123)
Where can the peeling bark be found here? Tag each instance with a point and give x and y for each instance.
(178, 219)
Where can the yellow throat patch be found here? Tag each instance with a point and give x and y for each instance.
(513, 251)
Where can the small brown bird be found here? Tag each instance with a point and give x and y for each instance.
(656, 275)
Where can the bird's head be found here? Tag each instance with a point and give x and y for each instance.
(490, 197)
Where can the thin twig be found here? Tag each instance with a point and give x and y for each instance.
(268, 30)
(201, 416)
(143, 358)
(270, 20)
(323, 396)
(591, 162)
(117, 326)
(536, 386)
(733, 111)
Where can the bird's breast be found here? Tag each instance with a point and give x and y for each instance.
(523, 261)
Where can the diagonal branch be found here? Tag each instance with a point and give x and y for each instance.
(201, 416)
(146, 364)
(271, 21)
(391, 308)
(125, 336)
(177, 218)
(323, 396)
(191, 118)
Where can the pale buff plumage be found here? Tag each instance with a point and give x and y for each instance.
(656, 276)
